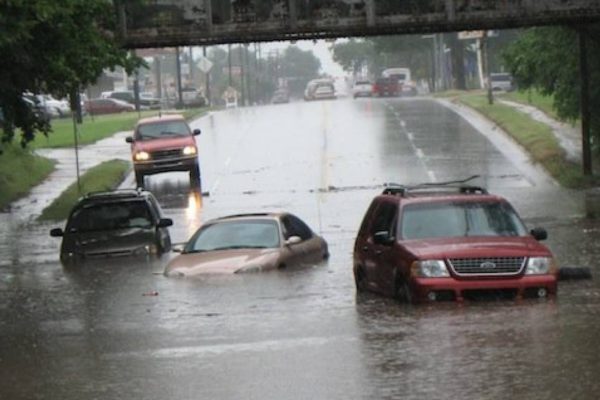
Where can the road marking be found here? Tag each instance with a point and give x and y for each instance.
(419, 153)
(403, 123)
(432, 175)
(411, 137)
(227, 162)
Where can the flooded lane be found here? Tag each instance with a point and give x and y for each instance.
(119, 329)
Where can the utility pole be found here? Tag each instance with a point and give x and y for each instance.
(229, 62)
(585, 104)
(242, 71)
(178, 66)
(207, 74)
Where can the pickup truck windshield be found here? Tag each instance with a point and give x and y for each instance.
(162, 129)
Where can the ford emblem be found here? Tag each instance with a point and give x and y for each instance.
(487, 265)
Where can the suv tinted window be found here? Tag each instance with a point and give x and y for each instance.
(460, 220)
(293, 226)
(108, 216)
(384, 219)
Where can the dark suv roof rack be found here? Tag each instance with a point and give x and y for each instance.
(459, 186)
(114, 193)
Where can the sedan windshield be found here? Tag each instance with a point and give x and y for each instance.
(162, 129)
(109, 216)
(459, 219)
(235, 235)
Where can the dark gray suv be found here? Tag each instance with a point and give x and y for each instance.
(114, 224)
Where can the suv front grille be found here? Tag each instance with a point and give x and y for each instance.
(487, 266)
(166, 154)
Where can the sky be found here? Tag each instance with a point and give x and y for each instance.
(320, 48)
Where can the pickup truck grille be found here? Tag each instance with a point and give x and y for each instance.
(487, 266)
(166, 154)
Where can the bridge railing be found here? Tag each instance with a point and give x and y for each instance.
(158, 23)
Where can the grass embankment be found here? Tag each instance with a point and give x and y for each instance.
(105, 176)
(532, 98)
(20, 170)
(98, 127)
(535, 137)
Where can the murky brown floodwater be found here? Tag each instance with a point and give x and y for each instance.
(99, 333)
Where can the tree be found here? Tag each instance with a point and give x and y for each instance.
(547, 59)
(297, 67)
(56, 47)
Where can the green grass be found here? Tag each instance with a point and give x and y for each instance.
(105, 176)
(96, 128)
(535, 137)
(532, 98)
(20, 170)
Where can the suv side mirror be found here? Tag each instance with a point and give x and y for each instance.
(196, 132)
(383, 238)
(165, 222)
(293, 240)
(539, 234)
(129, 139)
(56, 232)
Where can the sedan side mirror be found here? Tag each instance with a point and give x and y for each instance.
(57, 232)
(539, 234)
(293, 240)
(129, 139)
(383, 238)
(196, 132)
(165, 222)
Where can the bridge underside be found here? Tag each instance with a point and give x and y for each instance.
(164, 23)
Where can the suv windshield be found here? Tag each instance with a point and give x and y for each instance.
(109, 216)
(459, 219)
(162, 129)
(235, 235)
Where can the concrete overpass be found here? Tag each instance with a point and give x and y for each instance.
(163, 23)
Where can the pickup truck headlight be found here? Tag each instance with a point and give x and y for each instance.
(540, 266)
(189, 150)
(141, 156)
(429, 269)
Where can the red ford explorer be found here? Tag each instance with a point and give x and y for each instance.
(162, 144)
(450, 242)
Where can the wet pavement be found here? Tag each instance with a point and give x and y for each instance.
(119, 329)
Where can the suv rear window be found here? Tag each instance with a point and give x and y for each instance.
(460, 219)
(162, 129)
(109, 216)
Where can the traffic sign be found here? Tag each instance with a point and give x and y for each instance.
(204, 64)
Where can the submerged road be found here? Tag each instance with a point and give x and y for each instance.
(94, 333)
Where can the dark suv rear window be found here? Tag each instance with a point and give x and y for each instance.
(460, 219)
(109, 216)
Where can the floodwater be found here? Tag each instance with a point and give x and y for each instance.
(118, 329)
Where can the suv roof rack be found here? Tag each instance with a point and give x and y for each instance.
(114, 193)
(435, 187)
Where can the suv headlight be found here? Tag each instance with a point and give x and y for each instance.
(429, 269)
(141, 156)
(540, 266)
(189, 150)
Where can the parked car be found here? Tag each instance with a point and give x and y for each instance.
(128, 96)
(281, 96)
(248, 243)
(191, 97)
(385, 87)
(162, 144)
(362, 88)
(323, 92)
(107, 106)
(450, 242)
(114, 224)
(502, 81)
(56, 108)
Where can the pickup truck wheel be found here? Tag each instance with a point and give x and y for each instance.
(402, 290)
(139, 179)
(360, 280)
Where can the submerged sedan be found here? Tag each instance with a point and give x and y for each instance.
(248, 243)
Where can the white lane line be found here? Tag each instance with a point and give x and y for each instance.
(227, 162)
(403, 123)
(419, 153)
(411, 136)
(432, 175)
(215, 186)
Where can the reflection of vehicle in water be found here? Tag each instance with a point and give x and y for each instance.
(162, 144)
(249, 243)
(406, 86)
(318, 89)
(114, 224)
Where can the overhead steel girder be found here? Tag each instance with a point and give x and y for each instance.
(163, 23)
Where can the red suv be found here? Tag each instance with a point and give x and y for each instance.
(450, 242)
(161, 144)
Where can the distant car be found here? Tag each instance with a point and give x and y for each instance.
(162, 144)
(324, 91)
(280, 96)
(450, 242)
(386, 87)
(327, 89)
(191, 97)
(128, 96)
(107, 106)
(56, 108)
(248, 243)
(114, 224)
(362, 89)
(502, 82)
